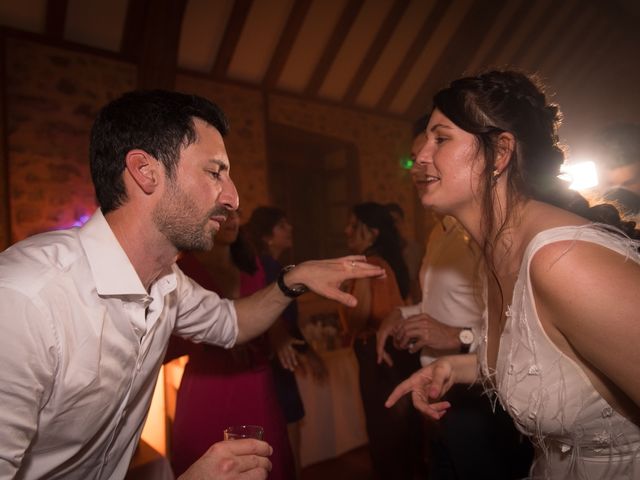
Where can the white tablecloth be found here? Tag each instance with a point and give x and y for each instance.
(334, 420)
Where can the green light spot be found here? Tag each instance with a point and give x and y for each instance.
(406, 163)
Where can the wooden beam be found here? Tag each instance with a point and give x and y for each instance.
(230, 38)
(571, 42)
(340, 32)
(151, 38)
(565, 71)
(287, 38)
(599, 58)
(550, 36)
(130, 45)
(55, 18)
(413, 53)
(375, 50)
(455, 57)
(514, 23)
(534, 34)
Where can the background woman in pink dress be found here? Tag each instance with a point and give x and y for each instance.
(222, 387)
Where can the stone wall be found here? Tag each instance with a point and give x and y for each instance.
(380, 142)
(52, 97)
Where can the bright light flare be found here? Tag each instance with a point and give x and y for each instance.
(582, 174)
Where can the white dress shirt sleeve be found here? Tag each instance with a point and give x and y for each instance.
(410, 310)
(29, 359)
(203, 316)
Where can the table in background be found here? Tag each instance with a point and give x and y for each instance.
(334, 419)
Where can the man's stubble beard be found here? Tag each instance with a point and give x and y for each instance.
(180, 220)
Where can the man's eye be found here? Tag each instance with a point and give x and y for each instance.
(215, 175)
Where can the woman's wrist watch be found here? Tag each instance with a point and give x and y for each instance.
(294, 291)
(466, 338)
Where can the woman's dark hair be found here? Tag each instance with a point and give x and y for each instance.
(243, 254)
(388, 243)
(507, 101)
(157, 121)
(261, 225)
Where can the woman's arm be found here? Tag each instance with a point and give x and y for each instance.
(591, 295)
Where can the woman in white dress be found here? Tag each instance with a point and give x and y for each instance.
(560, 343)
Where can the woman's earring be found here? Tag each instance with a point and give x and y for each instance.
(495, 174)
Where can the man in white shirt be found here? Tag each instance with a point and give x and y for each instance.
(471, 441)
(87, 313)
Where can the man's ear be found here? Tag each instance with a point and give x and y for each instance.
(505, 146)
(144, 170)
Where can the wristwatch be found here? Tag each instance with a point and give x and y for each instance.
(291, 292)
(466, 338)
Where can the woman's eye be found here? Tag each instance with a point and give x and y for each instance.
(439, 140)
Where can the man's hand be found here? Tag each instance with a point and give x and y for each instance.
(388, 327)
(325, 277)
(244, 459)
(425, 331)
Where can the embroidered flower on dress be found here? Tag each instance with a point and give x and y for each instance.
(603, 437)
(534, 370)
(607, 412)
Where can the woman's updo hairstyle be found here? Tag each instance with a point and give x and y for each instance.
(508, 101)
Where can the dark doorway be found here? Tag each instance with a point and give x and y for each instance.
(315, 179)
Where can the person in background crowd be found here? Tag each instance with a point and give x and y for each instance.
(223, 387)
(619, 161)
(395, 436)
(271, 234)
(561, 290)
(477, 439)
(88, 312)
(412, 252)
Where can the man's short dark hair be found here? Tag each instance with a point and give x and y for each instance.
(157, 121)
(420, 125)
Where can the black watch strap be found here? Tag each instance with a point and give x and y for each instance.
(466, 337)
(291, 292)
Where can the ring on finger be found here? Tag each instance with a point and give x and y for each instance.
(353, 264)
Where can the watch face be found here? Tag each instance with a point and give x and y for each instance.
(466, 337)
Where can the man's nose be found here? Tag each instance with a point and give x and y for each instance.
(418, 166)
(229, 195)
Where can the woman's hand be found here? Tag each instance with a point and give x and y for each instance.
(429, 384)
(284, 346)
(388, 327)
